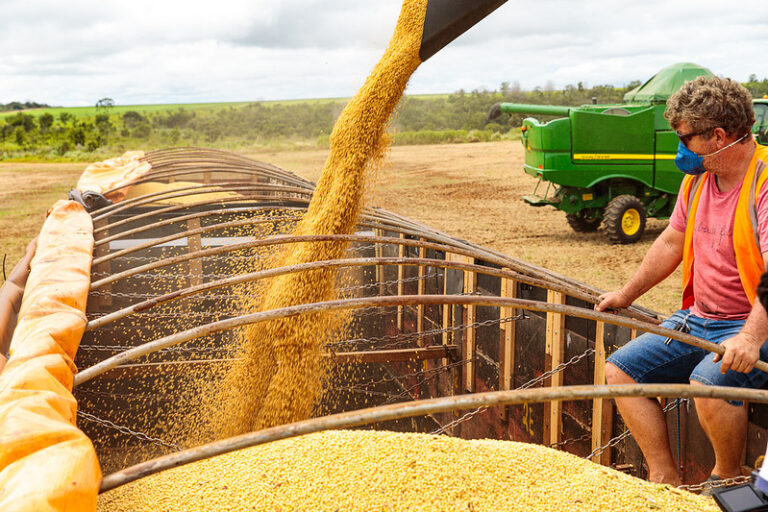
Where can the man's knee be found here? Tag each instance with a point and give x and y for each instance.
(614, 375)
(713, 408)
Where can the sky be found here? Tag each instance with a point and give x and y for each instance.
(74, 52)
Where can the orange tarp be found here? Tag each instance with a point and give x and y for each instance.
(46, 462)
(114, 172)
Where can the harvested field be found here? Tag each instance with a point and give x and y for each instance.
(473, 191)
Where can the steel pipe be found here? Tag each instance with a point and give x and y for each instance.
(184, 218)
(315, 265)
(405, 300)
(191, 169)
(350, 238)
(207, 202)
(192, 191)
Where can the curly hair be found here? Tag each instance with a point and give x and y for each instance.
(707, 103)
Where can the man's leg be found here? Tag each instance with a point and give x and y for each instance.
(726, 427)
(646, 421)
(653, 359)
(725, 423)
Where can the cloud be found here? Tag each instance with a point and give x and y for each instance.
(157, 51)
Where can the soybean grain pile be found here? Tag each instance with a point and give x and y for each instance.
(280, 377)
(383, 471)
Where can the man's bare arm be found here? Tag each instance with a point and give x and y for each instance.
(662, 259)
(11, 293)
(743, 350)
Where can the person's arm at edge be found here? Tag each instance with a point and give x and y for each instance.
(11, 293)
(743, 350)
(660, 261)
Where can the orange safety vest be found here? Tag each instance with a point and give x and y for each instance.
(746, 239)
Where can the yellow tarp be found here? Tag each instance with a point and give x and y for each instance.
(46, 462)
(114, 172)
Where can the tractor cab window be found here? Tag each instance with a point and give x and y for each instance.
(761, 123)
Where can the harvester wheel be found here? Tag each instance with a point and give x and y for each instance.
(625, 219)
(583, 221)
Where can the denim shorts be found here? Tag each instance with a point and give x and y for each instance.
(654, 359)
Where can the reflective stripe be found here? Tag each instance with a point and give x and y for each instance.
(746, 237)
(696, 181)
(759, 166)
(622, 156)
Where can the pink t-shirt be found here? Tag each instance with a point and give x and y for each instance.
(717, 287)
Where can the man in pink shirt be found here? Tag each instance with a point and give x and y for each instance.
(720, 222)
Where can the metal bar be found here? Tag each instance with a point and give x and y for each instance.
(383, 221)
(490, 256)
(420, 408)
(223, 200)
(499, 258)
(170, 175)
(213, 227)
(185, 218)
(196, 190)
(482, 300)
(591, 297)
(273, 272)
(191, 232)
(100, 213)
(357, 357)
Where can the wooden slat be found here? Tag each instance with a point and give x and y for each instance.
(195, 244)
(400, 276)
(470, 336)
(602, 409)
(379, 251)
(555, 353)
(507, 344)
(421, 288)
(447, 310)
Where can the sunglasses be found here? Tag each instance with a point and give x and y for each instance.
(685, 139)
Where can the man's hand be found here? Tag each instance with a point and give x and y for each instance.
(613, 300)
(741, 353)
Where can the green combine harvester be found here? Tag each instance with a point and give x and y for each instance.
(611, 164)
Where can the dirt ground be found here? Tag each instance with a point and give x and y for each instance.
(472, 191)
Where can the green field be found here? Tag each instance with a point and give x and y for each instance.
(146, 109)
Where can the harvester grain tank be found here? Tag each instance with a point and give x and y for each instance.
(611, 164)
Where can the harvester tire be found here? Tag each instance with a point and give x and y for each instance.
(583, 223)
(625, 219)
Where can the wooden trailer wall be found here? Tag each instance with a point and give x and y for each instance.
(388, 354)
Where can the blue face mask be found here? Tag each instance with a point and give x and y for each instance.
(691, 162)
(688, 161)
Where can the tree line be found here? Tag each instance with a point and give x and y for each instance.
(21, 105)
(456, 117)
